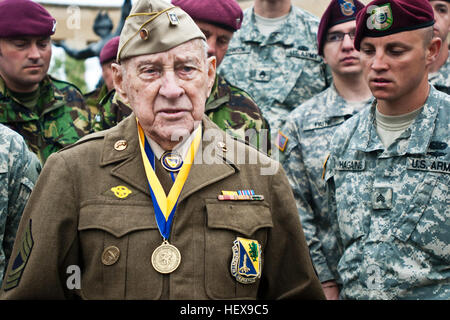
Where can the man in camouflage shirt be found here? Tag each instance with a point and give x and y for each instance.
(274, 58)
(48, 113)
(107, 57)
(19, 169)
(388, 172)
(440, 70)
(309, 130)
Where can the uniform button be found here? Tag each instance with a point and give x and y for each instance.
(110, 255)
(121, 145)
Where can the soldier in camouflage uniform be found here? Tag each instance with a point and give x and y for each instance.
(388, 185)
(440, 70)
(107, 57)
(309, 130)
(19, 171)
(48, 113)
(279, 67)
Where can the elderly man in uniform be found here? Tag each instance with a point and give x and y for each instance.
(19, 171)
(231, 108)
(440, 70)
(274, 58)
(227, 228)
(48, 113)
(311, 126)
(388, 173)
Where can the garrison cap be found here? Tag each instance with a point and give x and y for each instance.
(155, 26)
(109, 50)
(25, 18)
(385, 17)
(226, 14)
(338, 11)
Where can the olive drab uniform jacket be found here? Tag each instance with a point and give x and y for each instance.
(59, 119)
(74, 217)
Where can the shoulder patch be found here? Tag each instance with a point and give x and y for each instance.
(12, 279)
(89, 137)
(281, 141)
(60, 84)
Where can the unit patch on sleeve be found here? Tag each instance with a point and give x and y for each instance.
(12, 279)
(281, 141)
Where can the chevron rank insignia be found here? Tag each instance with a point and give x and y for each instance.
(12, 279)
(247, 262)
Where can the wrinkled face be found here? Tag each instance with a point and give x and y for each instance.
(341, 55)
(24, 62)
(217, 38)
(442, 17)
(167, 91)
(397, 64)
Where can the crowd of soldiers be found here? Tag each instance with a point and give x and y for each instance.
(352, 111)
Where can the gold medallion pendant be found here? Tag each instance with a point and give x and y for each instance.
(166, 258)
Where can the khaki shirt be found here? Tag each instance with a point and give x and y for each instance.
(73, 215)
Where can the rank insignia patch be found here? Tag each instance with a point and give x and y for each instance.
(247, 262)
(13, 277)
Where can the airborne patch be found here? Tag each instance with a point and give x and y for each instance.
(13, 277)
(246, 264)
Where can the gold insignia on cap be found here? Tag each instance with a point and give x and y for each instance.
(173, 18)
(144, 34)
(110, 255)
(157, 17)
(121, 145)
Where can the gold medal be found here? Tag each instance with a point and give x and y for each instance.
(166, 258)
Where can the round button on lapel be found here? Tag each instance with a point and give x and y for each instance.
(120, 145)
(110, 255)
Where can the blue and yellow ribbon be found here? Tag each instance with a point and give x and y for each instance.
(165, 207)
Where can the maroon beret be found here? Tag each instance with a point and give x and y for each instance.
(25, 18)
(223, 13)
(338, 11)
(109, 50)
(385, 17)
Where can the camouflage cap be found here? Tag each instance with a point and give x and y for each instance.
(155, 26)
